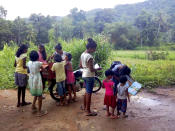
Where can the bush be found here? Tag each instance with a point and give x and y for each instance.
(156, 55)
(75, 47)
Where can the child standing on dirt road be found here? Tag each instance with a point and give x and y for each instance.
(109, 99)
(70, 78)
(35, 82)
(59, 68)
(21, 73)
(122, 93)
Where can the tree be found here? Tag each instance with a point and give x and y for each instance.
(3, 12)
(41, 25)
(20, 30)
(5, 32)
(123, 36)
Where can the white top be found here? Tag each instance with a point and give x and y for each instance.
(63, 56)
(85, 57)
(122, 91)
(35, 81)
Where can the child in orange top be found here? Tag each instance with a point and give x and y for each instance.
(109, 99)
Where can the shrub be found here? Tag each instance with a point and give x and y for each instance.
(75, 47)
(156, 55)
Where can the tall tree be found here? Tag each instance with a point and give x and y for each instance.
(3, 12)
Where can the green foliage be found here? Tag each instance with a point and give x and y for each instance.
(7, 67)
(75, 47)
(150, 73)
(156, 55)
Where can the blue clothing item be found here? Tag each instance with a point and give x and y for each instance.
(116, 82)
(61, 90)
(89, 84)
(122, 105)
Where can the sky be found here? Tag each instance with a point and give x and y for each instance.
(24, 8)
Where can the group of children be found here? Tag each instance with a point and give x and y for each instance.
(33, 69)
(115, 100)
(64, 75)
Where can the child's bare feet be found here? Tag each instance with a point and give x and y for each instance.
(114, 117)
(74, 100)
(108, 114)
(26, 103)
(42, 113)
(125, 116)
(18, 105)
(34, 109)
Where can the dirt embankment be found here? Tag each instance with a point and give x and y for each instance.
(147, 112)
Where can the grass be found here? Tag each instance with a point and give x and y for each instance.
(149, 73)
(140, 54)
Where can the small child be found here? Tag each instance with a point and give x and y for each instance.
(35, 82)
(109, 99)
(122, 94)
(21, 73)
(59, 68)
(70, 78)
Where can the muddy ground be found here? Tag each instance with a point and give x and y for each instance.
(148, 111)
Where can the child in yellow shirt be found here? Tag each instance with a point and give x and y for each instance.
(59, 68)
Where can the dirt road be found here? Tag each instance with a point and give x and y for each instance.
(147, 112)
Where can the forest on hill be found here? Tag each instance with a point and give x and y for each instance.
(131, 26)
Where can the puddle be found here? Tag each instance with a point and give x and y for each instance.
(146, 101)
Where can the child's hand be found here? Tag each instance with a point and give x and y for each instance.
(128, 100)
(100, 68)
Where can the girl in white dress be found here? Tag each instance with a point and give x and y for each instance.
(35, 81)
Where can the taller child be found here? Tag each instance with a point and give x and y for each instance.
(87, 63)
(21, 73)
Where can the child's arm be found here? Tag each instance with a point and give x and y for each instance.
(127, 95)
(69, 67)
(15, 64)
(28, 70)
(24, 63)
(80, 64)
(53, 69)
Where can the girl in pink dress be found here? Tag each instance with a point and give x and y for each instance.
(109, 99)
(42, 58)
(70, 79)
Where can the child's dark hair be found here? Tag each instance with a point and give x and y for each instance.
(58, 46)
(91, 43)
(57, 58)
(69, 56)
(109, 72)
(43, 52)
(21, 50)
(33, 55)
(123, 79)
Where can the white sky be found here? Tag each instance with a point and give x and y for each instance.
(24, 8)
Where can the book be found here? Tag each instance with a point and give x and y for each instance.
(134, 88)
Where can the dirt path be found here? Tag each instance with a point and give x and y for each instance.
(147, 112)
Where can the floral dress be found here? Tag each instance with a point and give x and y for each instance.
(35, 81)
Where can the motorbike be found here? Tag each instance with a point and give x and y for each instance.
(79, 83)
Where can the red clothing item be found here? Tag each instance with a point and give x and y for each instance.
(110, 101)
(108, 85)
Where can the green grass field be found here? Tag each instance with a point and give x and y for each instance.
(151, 73)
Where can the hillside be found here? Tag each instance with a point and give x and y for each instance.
(129, 12)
